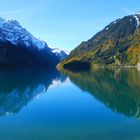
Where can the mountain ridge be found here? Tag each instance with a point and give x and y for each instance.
(19, 48)
(118, 44)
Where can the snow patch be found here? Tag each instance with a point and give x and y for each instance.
(56, 50)
(59, 51)
(15, 33)
(137, 20)
(114, 22)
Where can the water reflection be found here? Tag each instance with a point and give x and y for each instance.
(118, 89)
(19, 87)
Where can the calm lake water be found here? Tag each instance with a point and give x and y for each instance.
(103, 104)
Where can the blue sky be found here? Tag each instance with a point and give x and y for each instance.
(66, 23)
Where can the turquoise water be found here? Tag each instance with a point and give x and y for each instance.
(103, 104)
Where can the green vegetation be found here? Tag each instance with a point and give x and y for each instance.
(117, 88)
(118, 44)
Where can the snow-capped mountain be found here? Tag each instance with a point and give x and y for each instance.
(60, 53)
(19, 48)
(12, 31)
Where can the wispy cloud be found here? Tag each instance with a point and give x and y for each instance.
(18, 11)
(127, 10)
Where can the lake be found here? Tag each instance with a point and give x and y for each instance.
(102, 104)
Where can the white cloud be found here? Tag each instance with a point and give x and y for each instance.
(18, 11)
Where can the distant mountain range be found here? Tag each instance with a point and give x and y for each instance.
(60, 53)
(19, 48)
(118, 44)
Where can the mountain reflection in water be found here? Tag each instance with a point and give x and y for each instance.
(18, 87)
(118, 89)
